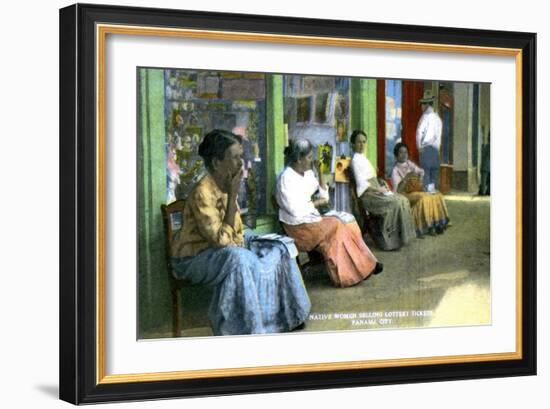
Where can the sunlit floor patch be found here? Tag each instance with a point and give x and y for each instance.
(457, 275)
(466, 304)
(465, 197)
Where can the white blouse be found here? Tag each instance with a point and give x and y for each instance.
(362, 172)
(293, 196)
(401, 170)
(428, 131)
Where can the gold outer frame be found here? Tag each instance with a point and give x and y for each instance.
(102, 30)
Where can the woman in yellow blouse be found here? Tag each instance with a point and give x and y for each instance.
(258, 287)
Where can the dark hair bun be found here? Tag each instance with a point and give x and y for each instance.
(215, 143)
(205, 147)
(398, 146)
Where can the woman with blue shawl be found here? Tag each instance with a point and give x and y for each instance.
(258, 287)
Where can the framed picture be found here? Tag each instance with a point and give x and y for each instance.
(258, 204)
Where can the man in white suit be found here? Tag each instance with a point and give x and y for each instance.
(428, 141)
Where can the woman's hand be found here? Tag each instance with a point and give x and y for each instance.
(320, 202)
(235, 183)
(379, 190)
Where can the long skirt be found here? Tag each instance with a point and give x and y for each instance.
(257, 290)
(429, 211)
(347, 257)
(396, 224)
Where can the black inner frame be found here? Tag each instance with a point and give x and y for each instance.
(77, 204)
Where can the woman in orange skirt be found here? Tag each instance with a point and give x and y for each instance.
(428, 209)
(347, 257)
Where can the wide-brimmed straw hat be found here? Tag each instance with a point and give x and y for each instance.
(428, 97)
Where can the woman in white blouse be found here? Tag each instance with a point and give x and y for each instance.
(397, 226)
(347, 257)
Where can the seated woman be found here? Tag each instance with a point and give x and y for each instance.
(397, 227)
(347, 257)
(258, 286)
(428, 209)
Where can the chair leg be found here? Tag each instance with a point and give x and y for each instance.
(176, 312)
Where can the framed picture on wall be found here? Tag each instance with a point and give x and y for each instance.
(323, 190)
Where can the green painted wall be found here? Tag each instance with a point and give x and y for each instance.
(363, 112)
(154, 295)
(275, 133)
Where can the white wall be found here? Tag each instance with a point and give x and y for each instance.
(28, 165)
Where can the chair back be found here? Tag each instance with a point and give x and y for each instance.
(172, 217)
(352, 183)
(358, 209)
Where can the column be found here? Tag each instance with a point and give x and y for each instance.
(275, 134)
(363, 112)
(154, 295)
(485, 111)
(464, 173)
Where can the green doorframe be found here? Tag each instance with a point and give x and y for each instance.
(275, 134)
(153, 295)
(363, 113)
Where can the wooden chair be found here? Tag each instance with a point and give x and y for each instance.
(172, 216)
(368, 223)
(358, 210)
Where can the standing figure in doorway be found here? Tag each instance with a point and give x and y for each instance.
(428, 140)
